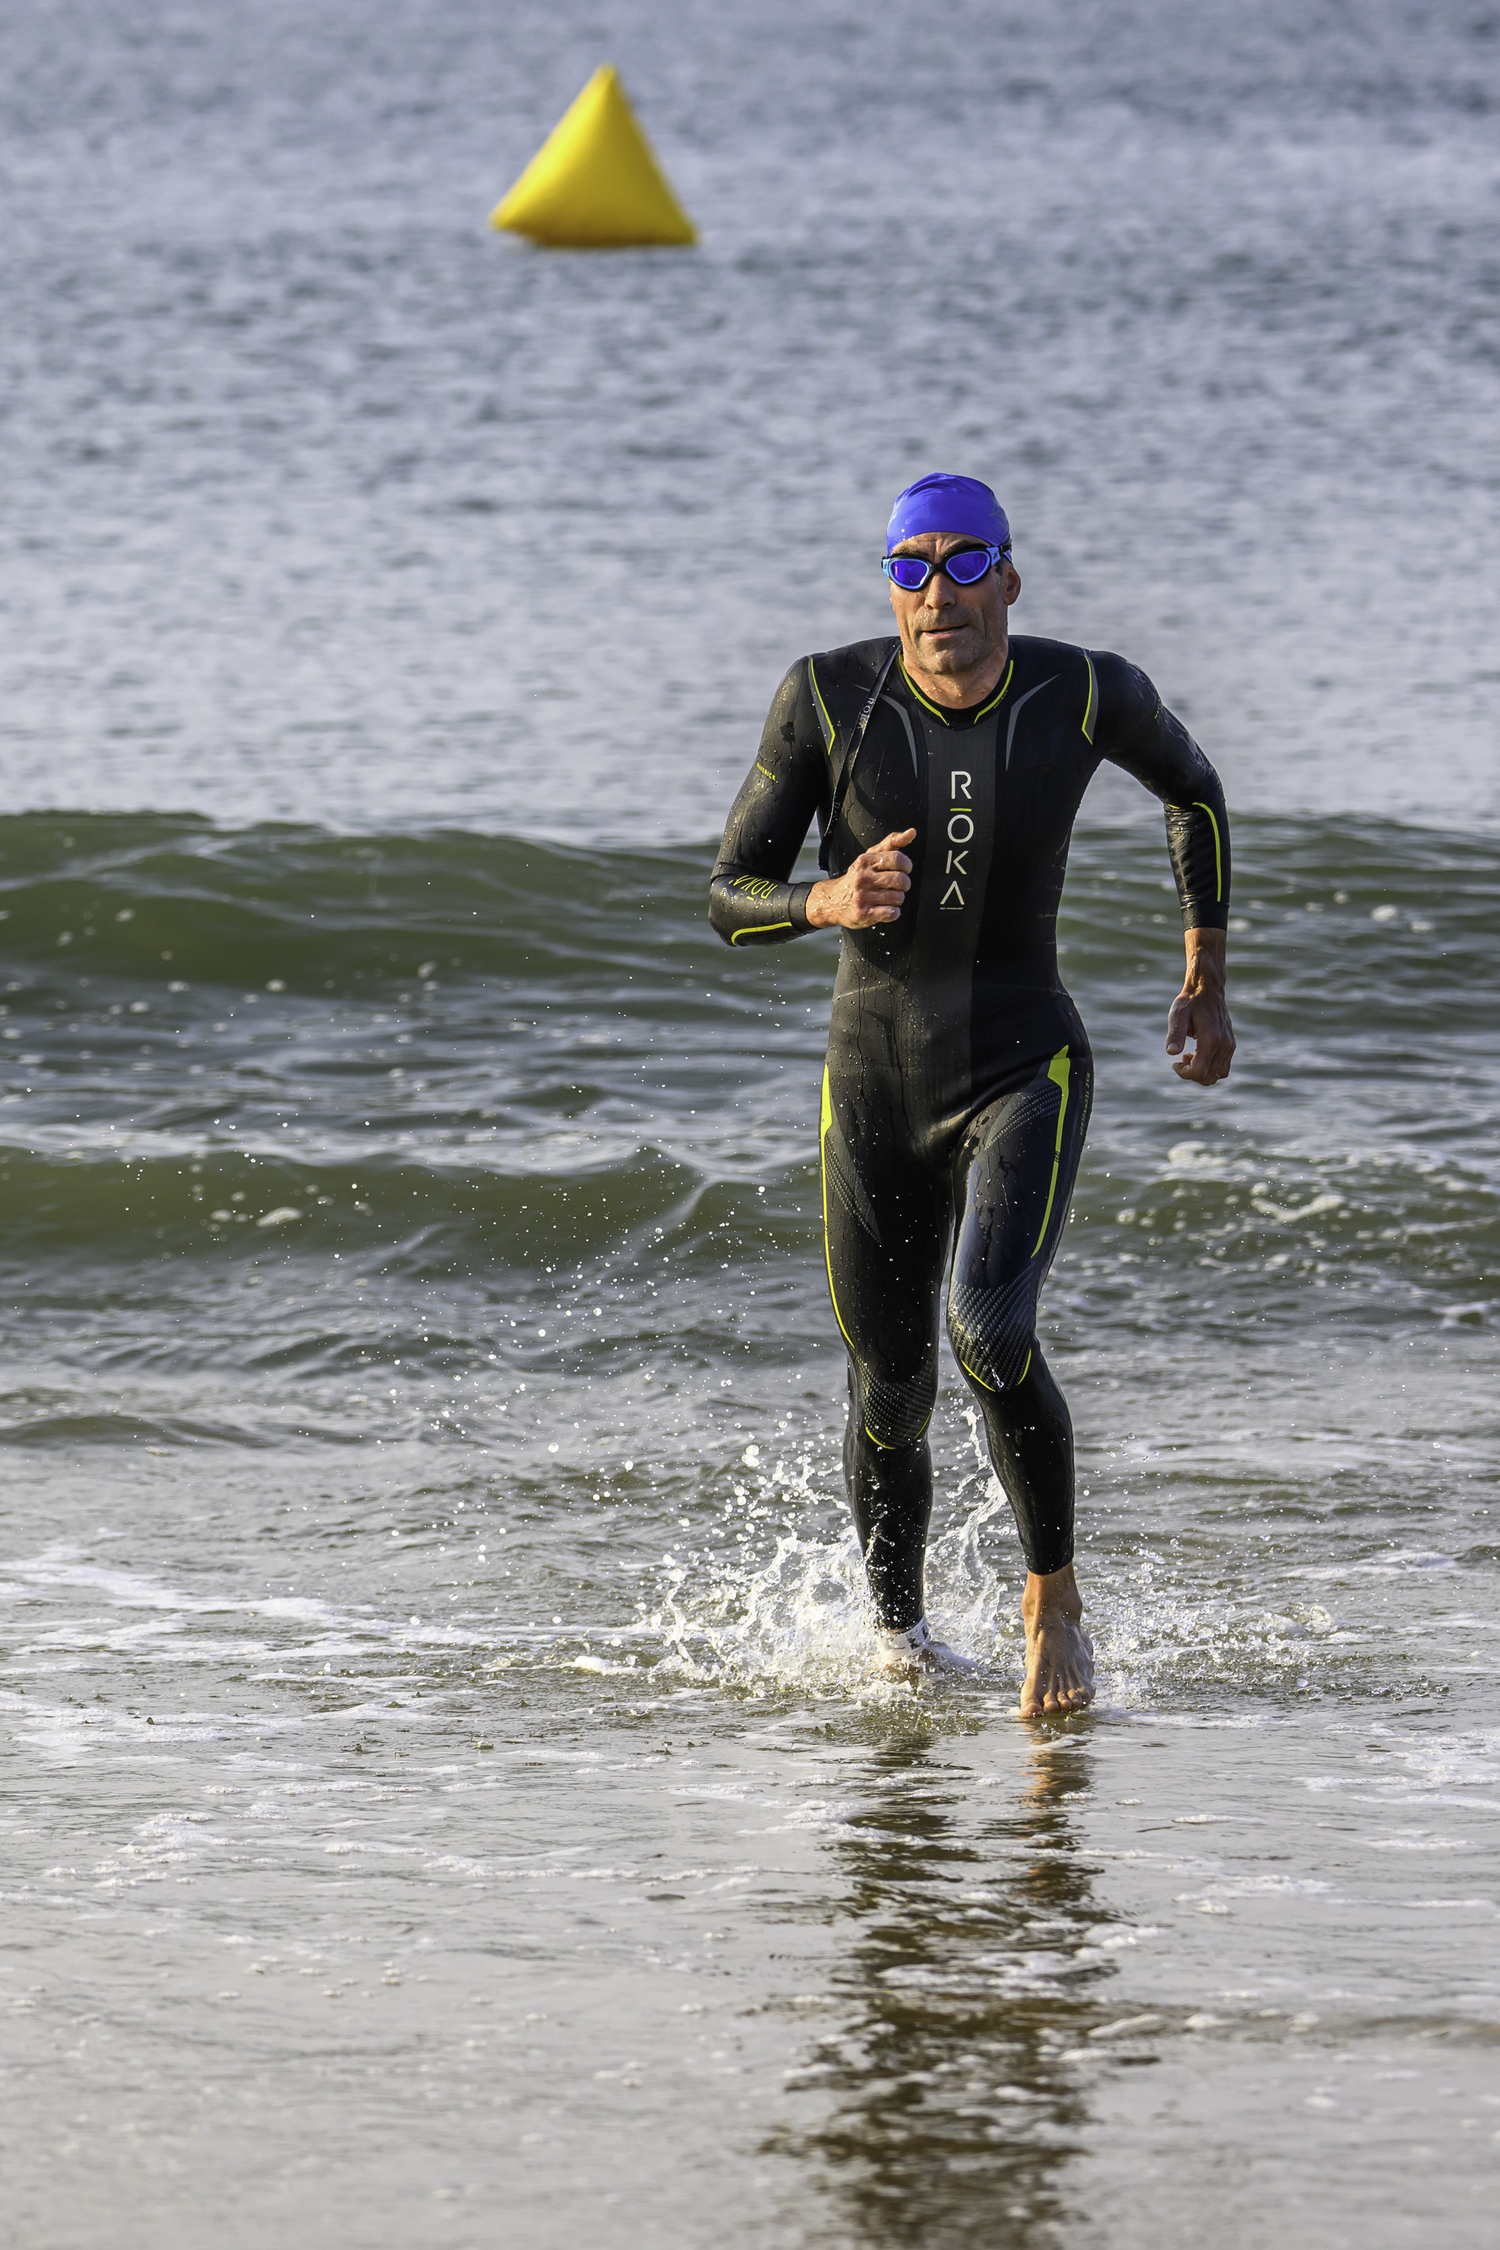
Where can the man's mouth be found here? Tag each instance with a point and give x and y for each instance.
(941, 626)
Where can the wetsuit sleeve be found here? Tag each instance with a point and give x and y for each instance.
(750, 900)
(1137, 732)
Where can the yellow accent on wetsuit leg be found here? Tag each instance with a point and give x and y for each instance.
(1058, 1071)
(1198, 806)
(1092, 703)
(824, 1122)
(818, 698)
(983, 1385)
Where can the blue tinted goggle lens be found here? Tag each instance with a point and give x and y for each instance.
(965, 567)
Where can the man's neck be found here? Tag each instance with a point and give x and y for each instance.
(958, 691)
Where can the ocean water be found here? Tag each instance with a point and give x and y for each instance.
(445, 1799)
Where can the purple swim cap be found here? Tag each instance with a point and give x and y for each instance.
(960, 505)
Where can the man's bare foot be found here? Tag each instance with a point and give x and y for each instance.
(1059, 1653)
(909, 1652)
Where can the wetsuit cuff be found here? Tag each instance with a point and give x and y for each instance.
(797, 907)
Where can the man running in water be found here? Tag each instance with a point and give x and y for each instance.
(945, 769)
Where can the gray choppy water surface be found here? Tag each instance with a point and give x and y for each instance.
(444, 1794)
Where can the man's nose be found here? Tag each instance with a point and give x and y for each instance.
(940, 589)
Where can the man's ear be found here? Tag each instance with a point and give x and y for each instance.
(1010, 585)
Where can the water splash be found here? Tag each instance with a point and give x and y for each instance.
(801, 1622)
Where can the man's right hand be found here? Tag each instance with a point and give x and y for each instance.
(870, 893)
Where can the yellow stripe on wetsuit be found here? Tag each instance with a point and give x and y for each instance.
(822, 706)
(1199, 806)
(971, 716)
(756, 886)
(1059, 1071)
(825, 1120)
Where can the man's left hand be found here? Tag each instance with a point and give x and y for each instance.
(1199, 1013)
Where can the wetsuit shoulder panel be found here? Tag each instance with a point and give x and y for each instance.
(1137, 732)
(841, 680)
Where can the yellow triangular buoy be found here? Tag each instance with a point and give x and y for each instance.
(594, 183)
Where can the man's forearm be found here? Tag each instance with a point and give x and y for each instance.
(750, 909)
(1207, 963)
(1199, 1012)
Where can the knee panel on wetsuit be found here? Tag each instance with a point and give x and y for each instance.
(1015, 1199)
(993, 1331)
(894, 1415)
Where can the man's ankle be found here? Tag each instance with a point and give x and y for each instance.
(1052, 1593)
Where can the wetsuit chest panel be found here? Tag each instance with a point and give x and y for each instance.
(957, 843)
(943, 916)
(1043, 766)
(888, 791)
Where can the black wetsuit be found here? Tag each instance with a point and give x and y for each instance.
(958, 1083)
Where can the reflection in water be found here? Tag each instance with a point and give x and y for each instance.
(972, 1976)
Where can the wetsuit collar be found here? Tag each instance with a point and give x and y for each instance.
(965, 716)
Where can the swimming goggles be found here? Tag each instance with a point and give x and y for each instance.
(965, 566)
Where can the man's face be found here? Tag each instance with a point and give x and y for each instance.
(948, 628)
